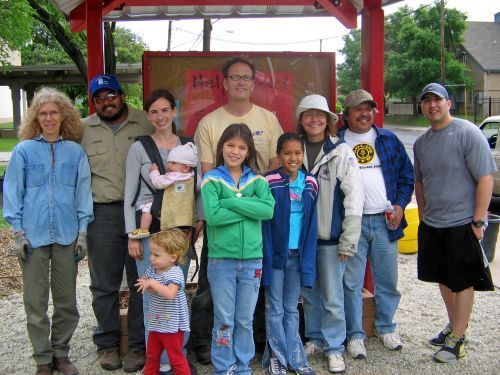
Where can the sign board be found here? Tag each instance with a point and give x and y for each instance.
(281, 80)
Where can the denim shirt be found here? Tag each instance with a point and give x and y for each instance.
(47, 191)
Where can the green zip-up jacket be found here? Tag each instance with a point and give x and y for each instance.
(234, 213)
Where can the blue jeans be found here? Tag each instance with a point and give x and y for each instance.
(234, 284)
(282, 316)
(142, 266)
(324, 303)
(383, 254)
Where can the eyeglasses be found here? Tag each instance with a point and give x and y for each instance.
(310, 115)
(48, 114)
(108, 96)
(237, 77)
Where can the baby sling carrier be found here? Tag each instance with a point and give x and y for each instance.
(166, 202)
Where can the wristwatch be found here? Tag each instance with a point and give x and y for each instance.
(478, 223)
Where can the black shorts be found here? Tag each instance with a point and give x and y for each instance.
(452, 257)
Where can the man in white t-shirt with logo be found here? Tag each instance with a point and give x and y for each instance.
(387, 175)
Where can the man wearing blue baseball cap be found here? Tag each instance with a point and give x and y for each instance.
(107, 136)
(453, 186)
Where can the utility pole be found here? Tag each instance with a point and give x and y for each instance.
(207, 32)
(443, 47)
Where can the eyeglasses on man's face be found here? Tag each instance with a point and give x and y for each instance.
(99, 99)
(238, 77)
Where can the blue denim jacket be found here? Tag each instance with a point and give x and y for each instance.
(47, 191)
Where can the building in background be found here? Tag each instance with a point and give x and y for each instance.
(481, 48)
(5, 93)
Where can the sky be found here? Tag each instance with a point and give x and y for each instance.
(292, 34)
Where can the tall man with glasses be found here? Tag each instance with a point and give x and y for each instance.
(107, 136)
(239, 74)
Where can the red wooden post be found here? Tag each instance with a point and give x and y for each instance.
(372, 53)
(95, 43)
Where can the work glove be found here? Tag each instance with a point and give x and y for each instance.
(80, 251)
(21, 246)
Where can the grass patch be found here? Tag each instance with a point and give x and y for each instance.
(3, 223)
(406, 120)
(7, 144)
(7, 125)
(2, 169)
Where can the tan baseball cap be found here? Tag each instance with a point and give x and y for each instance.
(356, 97)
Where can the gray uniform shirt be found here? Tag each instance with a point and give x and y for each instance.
(449, 162)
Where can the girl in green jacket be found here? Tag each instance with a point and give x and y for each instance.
(235, 200)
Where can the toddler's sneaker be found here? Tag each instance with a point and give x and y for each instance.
(137, 234)
(356, 348)
(452, 350)
(391, 340)
(306, 370)
(310, 348)
(336, 363)
(275, 367)
(440, 339)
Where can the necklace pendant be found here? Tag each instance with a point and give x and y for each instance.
(238, 195)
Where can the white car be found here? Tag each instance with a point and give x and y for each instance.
(491, 127)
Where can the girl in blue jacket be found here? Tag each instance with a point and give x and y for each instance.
(289, 256)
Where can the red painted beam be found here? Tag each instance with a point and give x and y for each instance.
(346, 13)
(78, 18)
(95, 42)
(372, 53)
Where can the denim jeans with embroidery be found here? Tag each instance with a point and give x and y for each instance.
(234, 284)
(282, 316)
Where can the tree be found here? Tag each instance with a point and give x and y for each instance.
(412, 52)
(15, 27)
(348, 71)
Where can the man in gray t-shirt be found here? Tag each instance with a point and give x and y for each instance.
(453, 186)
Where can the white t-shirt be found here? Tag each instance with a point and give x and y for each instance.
(363, 146)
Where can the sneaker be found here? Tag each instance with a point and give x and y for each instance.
(45, 369)
(336, 363)
(110, 360)
(391, 340)
(134, 361)
(64, 366)
(440, 339)
(137, 234)
(310, 348)
(356, 348)
(452, 350)
(306, 370)
(275, 367)
(231, 369)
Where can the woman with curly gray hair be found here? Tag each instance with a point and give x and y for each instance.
(48, 202)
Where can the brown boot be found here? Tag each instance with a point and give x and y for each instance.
(45, 369)
(110, 360)
(134, 361)
(64, 366)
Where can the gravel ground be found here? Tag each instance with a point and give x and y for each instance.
(421, 313)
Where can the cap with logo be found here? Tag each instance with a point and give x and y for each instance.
(315, 101)
(104, 81)
(436, 89)
(356, 97)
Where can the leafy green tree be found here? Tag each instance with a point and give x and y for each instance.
(412, 52)
(15, 30)
(348, 72)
